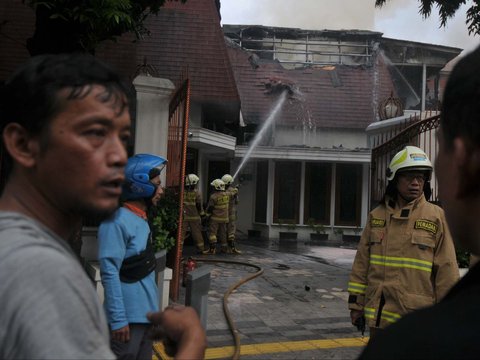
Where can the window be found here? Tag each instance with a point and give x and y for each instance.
(261, 192)
(348, 194)
(287, 191)
(317, 192)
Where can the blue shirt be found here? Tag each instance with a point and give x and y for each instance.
(123, 235)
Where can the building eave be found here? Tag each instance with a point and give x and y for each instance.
(210, 141)
(306, 154)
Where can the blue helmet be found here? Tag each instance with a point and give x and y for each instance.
(140, 169)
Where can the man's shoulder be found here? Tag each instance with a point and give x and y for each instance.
(431, 210)
(20, 233)
(436, 334)
(120, 216)
(378, 211)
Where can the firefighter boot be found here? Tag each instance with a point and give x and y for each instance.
(212, 250)
(233, 249)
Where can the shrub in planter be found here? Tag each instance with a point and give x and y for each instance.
(338, 233)
(463, 258)
(163, 220)
(318, 230)
(290, 226)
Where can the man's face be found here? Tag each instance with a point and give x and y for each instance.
(446, 169)
(81, 168)
(410, 184)
(158, 191)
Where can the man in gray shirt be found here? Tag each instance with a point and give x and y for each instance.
(65, 125)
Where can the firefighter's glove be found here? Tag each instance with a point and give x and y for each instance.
(358, 320)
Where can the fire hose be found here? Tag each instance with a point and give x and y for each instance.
(228, 317)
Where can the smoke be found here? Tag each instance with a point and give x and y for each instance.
(398, 19)
(305, 14)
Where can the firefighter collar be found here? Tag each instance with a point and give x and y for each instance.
(405, 212)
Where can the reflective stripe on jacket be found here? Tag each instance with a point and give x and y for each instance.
(218, 206)
(192, 205)
(407, 257)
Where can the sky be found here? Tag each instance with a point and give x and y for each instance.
(398, 19)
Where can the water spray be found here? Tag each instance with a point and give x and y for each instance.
(258, 136)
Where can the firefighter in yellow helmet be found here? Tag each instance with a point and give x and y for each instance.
(217, 211)
(232, 192)
(406, 258)
(193, 211)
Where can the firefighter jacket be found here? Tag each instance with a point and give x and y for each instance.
(405, 261)
(218, 206)
(232, 192)
(192, 205)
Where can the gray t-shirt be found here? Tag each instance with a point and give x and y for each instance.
(49, 309)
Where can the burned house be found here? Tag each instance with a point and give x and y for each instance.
(311, 164)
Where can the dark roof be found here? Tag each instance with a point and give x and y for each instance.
(328, 96)
(184, 37)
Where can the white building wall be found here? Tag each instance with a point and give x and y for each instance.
(325, 138)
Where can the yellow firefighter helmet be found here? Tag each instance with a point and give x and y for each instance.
(218, 184)
(227, 179)
(410, 158)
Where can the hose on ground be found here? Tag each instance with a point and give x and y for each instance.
(228, 317)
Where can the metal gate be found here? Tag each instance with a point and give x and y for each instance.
(421, 133)
(176, 154)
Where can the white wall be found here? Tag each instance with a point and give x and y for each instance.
(325, 138)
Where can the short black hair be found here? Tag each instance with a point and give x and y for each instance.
(461, 106)
(30, 96)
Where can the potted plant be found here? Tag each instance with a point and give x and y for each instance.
(290, 225)
(354, 238)
(318, 230)
(163, 220)
(338, 233)
(463, 259)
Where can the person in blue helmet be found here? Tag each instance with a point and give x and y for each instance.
(127, 259)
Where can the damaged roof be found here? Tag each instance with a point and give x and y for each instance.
(330, 96)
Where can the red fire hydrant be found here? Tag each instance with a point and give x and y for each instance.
(188, 266)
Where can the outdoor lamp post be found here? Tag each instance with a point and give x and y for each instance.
(390, 108)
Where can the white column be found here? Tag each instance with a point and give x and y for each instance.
(151, 131)
(424, 85)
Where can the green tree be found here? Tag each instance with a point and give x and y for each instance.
(447, 9)
(80, 25)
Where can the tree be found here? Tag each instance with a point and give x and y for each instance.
(447, 9)
(73, 25)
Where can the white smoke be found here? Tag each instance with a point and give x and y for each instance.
(398, 19)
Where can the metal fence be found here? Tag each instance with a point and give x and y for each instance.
(177, 154)
(417, 131)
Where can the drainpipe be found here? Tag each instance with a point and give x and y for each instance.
(424, 85)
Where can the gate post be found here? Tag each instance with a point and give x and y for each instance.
(151, 124)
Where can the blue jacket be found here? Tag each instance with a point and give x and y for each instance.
(123, 235)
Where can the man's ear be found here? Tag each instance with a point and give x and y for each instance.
(467, 161)
(20, 144)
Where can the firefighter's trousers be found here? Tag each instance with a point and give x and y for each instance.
(231, 229)
(196, 231)
(217, 231)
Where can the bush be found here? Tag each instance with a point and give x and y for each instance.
(463, 258)
(163, 219)
(318, 228)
